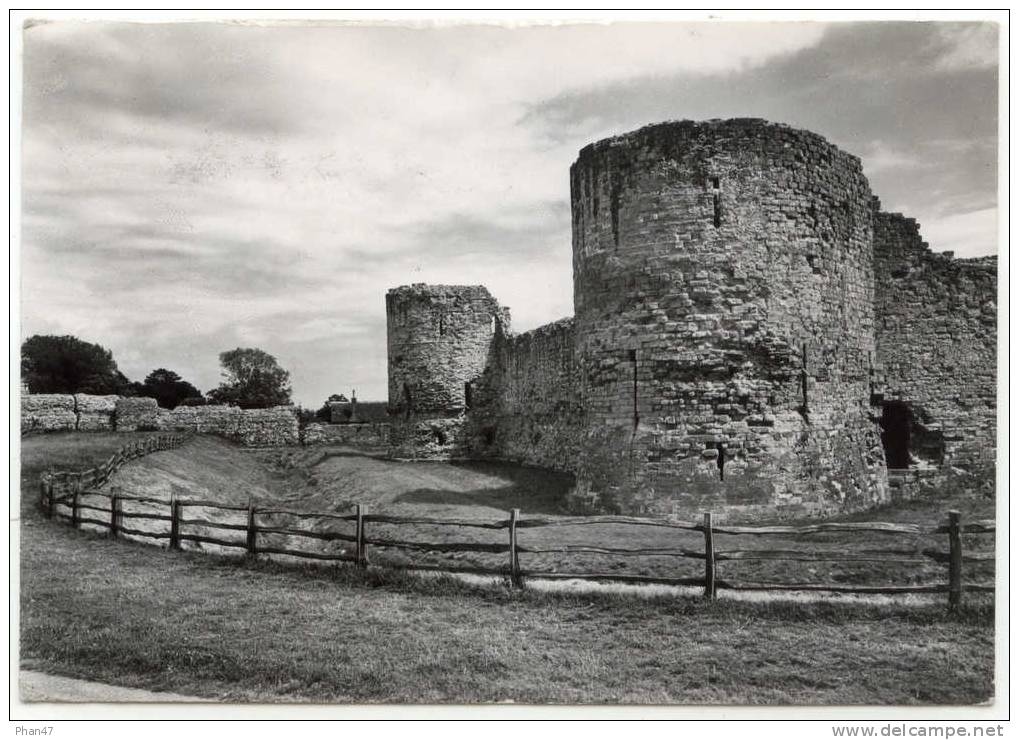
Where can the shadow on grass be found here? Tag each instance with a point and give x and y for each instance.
(532, 490)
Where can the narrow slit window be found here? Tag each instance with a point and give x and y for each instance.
(442, 325)
(803, 379)
(633, 365)
(468, 396)
(716, 200)
(721, 461)
(407, 401)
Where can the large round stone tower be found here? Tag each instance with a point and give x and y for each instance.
(723, 284)
(439, 341)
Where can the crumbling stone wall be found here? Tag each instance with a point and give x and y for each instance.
(58, 412)
(366, 435)
(95, 413)
(83, 412)
(527, 404)
(723, 288)
(432, 438)
(48, 412)
(137, 414)
(251, 427)
(936, 346)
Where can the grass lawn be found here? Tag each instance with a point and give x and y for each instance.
(138, 616)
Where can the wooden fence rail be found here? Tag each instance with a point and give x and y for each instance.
(67, 490)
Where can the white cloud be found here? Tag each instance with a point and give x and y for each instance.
(970, 45)
(972, 234)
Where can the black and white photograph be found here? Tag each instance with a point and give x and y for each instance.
(503, 364)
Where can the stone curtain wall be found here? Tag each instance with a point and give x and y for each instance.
(57, 412)
(138, 414)
(528, 406)
(251, 427)
(95, 413)
(369, 435)
(936, 343)
(434, 438)
(48, 412)
(723, 288)
(81, 412)
(439, 339)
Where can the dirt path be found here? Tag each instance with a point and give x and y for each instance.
(41, 687)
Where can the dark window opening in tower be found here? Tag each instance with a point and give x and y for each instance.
(716, 199)
(442, 325)
(633, 365)
(721, 460)
(439, 437)
(407, 401)
(468, 395)
(896, 422)
(804, 379)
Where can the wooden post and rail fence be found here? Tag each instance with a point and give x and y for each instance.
(61, 495)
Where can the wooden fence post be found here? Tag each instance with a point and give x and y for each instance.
(50, 503)
(114, 513)
(709, 558)
(174, 522)
(252, 532)
(954, 560)
(361, 553)
(515, 578)
(75, 493)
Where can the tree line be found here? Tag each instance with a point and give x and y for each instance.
(252, 378)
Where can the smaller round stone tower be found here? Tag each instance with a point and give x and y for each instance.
(439, 341)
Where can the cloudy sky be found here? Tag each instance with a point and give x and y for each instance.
(191, 188)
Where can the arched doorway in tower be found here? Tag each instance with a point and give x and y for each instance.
(896, 426)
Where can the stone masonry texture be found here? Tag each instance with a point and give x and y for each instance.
(82, 412)
(439, 340)
(743, 316)
(936, 344)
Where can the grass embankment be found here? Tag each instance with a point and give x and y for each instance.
(332, 480)
(136, 615)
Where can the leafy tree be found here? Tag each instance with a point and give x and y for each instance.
(306, 416)
(66, 364)
(252, 380)
(168, 388)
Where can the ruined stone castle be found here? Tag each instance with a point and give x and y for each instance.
(752, 335)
